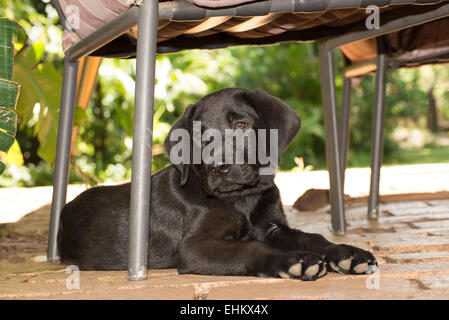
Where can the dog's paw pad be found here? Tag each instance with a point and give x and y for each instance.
(296, 269)
(312, 271)
(346, 259)
(283, 275)
(361, 268)
(345, 265)
(334, 266)
(323, 272)
(304, 266)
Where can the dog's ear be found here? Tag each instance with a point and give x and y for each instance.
(184, 122)
(275, 114)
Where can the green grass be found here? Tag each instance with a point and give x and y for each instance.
(427, 154)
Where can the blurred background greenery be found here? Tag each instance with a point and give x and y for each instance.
(102, 150)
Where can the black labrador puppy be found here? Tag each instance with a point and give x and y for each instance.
(209, 219)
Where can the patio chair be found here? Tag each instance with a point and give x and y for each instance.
(424, 41)
(108, 28)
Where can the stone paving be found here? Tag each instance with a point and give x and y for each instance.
(410, 241)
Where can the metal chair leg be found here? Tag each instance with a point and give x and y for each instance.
(62, 158)
(142, 141)
(332, 139)
(345, 113)
(377, 137)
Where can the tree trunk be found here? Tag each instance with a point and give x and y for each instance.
(432, 114)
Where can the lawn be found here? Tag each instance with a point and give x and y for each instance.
(427, 154)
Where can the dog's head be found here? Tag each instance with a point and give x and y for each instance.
(232, 110)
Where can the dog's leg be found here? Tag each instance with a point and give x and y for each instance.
(340, 258)
(218, 242)
(270, 220)
(254, 258)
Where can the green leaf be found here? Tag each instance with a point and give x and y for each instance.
(9, 93)
(30, 56)
(9, 90)
(26, 62)
(80, 116)
(8, 121)
(6, 141)
(45, 124)
(44, 84)
(47, 148)
(8, 34)
(49, 82)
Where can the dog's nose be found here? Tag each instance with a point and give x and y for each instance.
(212, 189)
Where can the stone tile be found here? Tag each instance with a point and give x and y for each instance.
(415, 269)
(327, 288)
(436, 282)
(410, 241)
(418, 210)
(432, 224)
(419, 256)
(435, 232)
(444, 203)
(414, 218)
(166, 293)
(398, 206)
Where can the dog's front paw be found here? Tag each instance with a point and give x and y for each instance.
(347, 259)
(302, 265)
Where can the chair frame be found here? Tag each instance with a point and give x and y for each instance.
(338, 139)
(146, 17)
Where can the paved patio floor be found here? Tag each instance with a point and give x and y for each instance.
(410, 241)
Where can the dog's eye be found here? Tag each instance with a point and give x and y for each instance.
(240, 125)
(224, 167)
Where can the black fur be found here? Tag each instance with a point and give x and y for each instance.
(205, 222)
